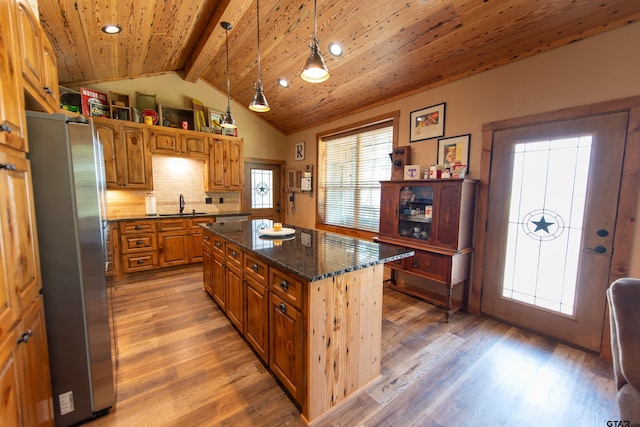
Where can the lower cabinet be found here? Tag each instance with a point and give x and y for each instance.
(256, 328)
(24, 373)
(235, 287)
(286, 352)
(207, 265)
(157, 243)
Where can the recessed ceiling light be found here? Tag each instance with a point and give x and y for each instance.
(283, 82)
(111, 29)
(335, 49)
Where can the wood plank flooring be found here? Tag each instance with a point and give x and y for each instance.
(181, 363)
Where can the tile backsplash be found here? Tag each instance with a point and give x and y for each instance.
(172, 176)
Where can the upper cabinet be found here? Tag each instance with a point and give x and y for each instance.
(12, 118)
(38, 63)
(127, 157)
(226, 164)
(177, 142)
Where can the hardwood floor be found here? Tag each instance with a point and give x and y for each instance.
(181, 363)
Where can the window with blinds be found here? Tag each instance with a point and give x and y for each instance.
(351, 165)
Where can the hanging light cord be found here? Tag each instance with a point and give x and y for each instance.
(228, 84)
(258, 16)
(315, 24)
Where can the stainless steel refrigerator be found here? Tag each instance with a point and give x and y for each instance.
(68, 185)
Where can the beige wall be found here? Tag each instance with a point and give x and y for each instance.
(599, 68)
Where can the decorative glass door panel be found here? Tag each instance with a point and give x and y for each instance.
(545, 227)
(416, 212)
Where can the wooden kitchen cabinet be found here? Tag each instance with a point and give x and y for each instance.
(195, 145)
(138, 246)
(256, 273)
(12, 112)
(226, 164)
(235, 286)
(137, 157)
(127, 158)
(207, 265)
(286, 341)
(194, 239)
(164, 141)
(39, 69)
(435, 218)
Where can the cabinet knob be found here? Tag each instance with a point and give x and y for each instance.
(25, 337)
(284, 285)
(233, 254)
(282, 307)
(139, 242)
(140, 261)
(206, 237)
(138, 227)
(8, 166)
(5, 128)
(255, 267)
(217, 245)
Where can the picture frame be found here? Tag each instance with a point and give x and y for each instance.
(230, 131)
(198, 114)
(215, 118)
(427, 123)
(454, 149)
(299, 151)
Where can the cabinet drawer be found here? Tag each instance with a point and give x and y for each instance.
(130, 243)
(256, 269)
(137, 227)
(288, 288)
(234, 256)
(171, 225)
(207, 241)
(429, 264)
(217, 245)
(139, 262)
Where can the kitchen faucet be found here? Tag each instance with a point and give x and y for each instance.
(181, 204)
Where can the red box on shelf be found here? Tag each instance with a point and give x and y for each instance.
(94, 103)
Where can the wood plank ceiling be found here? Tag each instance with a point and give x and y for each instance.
(391, 48)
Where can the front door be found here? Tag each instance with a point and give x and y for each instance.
(262, 190)
(553, 198)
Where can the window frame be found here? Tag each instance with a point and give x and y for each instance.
(392, 117)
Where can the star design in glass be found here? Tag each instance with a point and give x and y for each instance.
(542, 225)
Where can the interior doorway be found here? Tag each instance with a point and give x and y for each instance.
(552, 212)
(263, 189)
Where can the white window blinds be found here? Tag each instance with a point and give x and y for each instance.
(351, 166)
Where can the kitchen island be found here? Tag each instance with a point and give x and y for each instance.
(308, 303)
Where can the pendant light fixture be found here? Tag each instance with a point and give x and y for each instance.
(259, 103)
(315, 70)
(227, 120)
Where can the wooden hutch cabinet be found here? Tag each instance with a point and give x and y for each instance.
(434, 218)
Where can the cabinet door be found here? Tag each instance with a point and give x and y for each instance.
(235, 165)
(12, 119)
(109, 136)
(49, 76)
(30, 46)
(446, 215)
(389, 209)
(9, 403)
(219, 282)
(194, 244)
(257, 322)
(137, 158)
(207, 270)
(216, 164)
(172, 248)
(195, 145)
(33, 368)
(164, 142)
(235, 297)
(19, 229)
(286, 342)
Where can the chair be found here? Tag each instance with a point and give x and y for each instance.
(624, 309)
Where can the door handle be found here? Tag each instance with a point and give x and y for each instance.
(598, 249)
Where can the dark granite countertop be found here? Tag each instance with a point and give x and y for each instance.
(114, 218)
(310, 254)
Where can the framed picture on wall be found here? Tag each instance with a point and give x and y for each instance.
(453, 150)
(427, 123)
(215, 117)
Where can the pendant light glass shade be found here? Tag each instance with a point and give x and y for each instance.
(228, 120)
(315, 70)
(259, 103)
